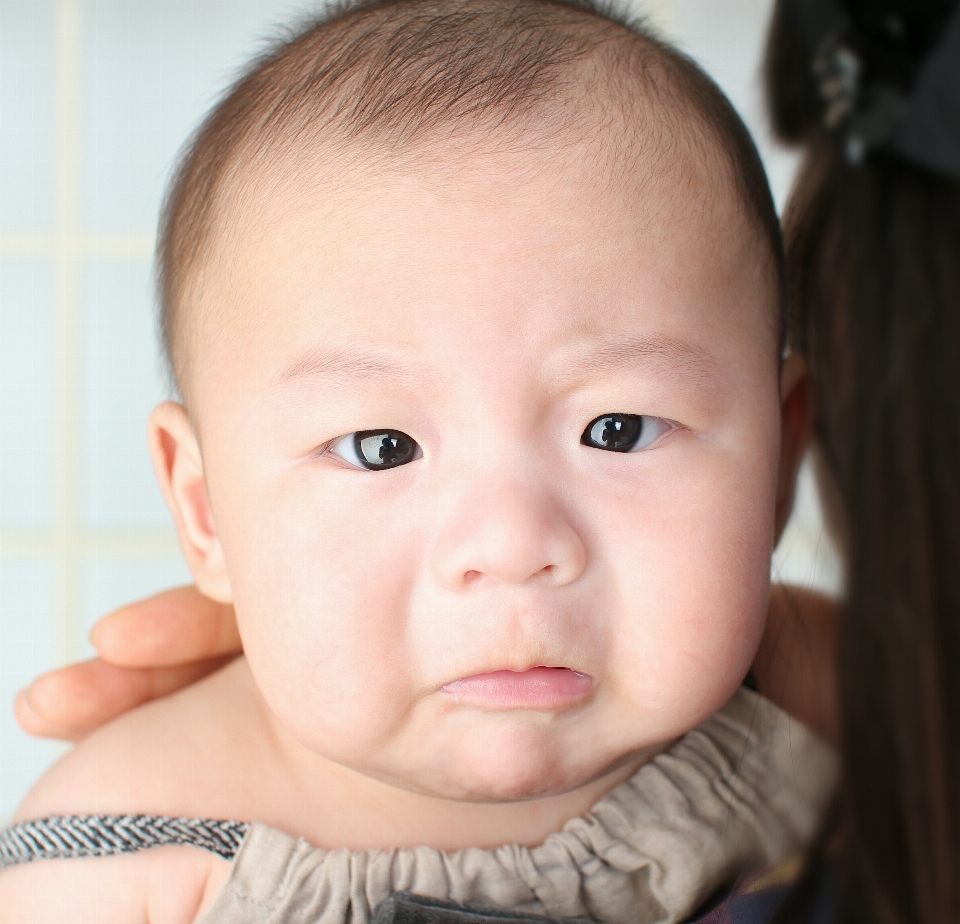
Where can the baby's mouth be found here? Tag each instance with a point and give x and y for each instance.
(544, 688)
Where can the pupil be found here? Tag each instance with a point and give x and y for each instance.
(389, 451)
(614, 432)
(611, 431)
(382, 449)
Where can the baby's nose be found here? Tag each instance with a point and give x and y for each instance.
(511, 534)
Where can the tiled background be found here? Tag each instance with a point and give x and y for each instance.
(96, 97)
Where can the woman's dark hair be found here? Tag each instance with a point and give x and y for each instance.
(873, 276)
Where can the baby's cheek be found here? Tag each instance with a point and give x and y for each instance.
(322, 615)
(694, 602)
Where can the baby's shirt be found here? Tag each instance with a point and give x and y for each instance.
(745, 789)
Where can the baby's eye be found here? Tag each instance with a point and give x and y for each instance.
(623, 432)
(376, 450)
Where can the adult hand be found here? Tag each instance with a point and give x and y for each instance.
(147, 650)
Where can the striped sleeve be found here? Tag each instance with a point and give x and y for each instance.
(74, 836)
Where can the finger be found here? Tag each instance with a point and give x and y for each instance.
(35, 724)
(177, 626)
(70, 703)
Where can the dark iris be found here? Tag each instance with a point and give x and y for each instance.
(378, 449)
(615, 432)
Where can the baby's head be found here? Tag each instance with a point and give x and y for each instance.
(474, 307)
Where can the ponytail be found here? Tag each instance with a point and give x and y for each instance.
(873, 263)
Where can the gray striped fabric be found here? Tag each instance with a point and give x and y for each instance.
(65, 836)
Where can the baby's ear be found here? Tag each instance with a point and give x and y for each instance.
(179, 467)
(798, 413)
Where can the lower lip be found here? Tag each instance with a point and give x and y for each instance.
(537, 688)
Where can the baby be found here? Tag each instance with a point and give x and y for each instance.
(475, 311)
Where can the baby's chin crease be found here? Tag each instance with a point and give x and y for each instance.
(537, 780)
(546, 788)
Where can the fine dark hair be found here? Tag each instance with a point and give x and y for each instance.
(385, 76)
(873, 281)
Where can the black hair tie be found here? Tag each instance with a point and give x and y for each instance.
(920, 123)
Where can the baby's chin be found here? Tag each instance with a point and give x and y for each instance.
(514, 777)
(515, 766)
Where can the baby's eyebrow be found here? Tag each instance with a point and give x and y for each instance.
(342, 363)
(662, 355)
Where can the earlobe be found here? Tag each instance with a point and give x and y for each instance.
(798, 413)
(179, 468)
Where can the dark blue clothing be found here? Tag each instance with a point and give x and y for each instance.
(760, 900)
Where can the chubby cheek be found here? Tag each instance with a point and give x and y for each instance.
(695, 590)
(319, 592)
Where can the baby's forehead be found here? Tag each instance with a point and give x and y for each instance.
(539, 248)
(544, 245)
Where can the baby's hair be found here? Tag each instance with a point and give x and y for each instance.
(389, 77)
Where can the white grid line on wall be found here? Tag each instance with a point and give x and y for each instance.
(68, 267)
(119, 544)
(43, 244)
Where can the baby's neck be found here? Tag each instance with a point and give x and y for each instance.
(334, 806)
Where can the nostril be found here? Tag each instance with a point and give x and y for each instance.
(471, 577)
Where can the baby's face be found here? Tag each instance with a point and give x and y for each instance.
(461, 426)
